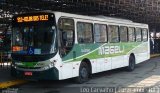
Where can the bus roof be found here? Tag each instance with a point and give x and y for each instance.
(100, 18)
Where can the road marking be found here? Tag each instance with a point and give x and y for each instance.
(11, 83)
(148, 82)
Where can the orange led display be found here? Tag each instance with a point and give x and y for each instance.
(32, 18)
(16, 48)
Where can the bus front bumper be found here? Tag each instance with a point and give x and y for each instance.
(50, 74)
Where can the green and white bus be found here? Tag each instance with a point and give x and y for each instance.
(57, 45)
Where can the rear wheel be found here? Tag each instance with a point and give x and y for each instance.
(131, 65)
(83, 73)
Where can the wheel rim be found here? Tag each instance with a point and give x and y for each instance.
(83, 72)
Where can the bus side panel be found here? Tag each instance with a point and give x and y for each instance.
(126, 60)
(117, 62)
(94, 65)
(76, 66)
(67, 69)
(141, 52)
(138, 58)
(145, 54)
(107, 64)
(100, 64)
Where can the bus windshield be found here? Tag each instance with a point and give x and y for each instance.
(37, 39)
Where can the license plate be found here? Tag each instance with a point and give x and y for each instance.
(28, 73)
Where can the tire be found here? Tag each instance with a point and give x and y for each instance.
(83, 73)
(131, 65)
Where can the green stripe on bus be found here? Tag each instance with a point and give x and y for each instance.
(91, 51)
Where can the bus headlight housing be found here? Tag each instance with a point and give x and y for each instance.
(49, 66)
(52, 64)
(46, 67)
(13, 65)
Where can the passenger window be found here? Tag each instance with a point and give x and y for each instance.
(66, 32)
(131, 34)
(84, 32)
(145, 34)
(138, 34)
(100, 33)
(113, 34)
(123, 34)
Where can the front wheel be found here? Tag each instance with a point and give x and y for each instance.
(83, 73)
(131, 65)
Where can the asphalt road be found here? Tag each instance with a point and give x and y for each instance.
(144, 79)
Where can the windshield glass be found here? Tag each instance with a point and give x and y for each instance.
(35, 39)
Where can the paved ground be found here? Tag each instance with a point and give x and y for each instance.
(5, 73)
(144, 79)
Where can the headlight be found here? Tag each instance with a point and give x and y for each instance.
(49, 66)
(13, 65)
(46, 67)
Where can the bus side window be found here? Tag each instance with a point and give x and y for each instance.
(100, 33)
(123, 33)
(131, 34)
(84, 32)
(138, 34)
(144, 34)
(113, 32)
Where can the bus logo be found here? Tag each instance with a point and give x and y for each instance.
(110, 50)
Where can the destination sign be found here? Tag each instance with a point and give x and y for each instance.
(34, 18)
